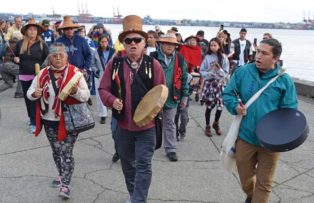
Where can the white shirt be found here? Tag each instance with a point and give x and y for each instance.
(241, 56)
(150, 49)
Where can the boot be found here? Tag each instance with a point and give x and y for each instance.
(208, 133)
(217, 128)
(197, 97)
(102, 120)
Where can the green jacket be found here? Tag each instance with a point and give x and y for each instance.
(168, 70)
(246, 82)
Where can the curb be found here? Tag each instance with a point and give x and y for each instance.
(304, 88)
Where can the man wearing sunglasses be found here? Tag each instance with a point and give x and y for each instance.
(125, 81)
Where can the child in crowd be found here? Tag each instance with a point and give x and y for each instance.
(182, 114)
(214, 70)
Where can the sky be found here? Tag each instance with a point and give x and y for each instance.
(220, 10)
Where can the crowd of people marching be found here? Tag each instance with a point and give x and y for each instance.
(216, 72)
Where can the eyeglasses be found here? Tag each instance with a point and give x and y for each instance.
(136, 40)
(58, 55)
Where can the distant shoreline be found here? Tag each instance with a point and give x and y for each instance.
(147, 20)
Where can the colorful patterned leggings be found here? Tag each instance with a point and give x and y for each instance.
(62, 152)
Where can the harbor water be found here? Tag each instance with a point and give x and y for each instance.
(298, 45)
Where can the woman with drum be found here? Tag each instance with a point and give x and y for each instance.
(256, 165)
(214, 70)
(49, 110)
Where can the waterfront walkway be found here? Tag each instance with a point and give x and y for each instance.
(27, 168)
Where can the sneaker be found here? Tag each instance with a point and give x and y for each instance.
(64, 192)
(32, 129)
(197, 97)
(208, 133)
(115, 157)
(56, 183)
(217, 128)
(172, 156)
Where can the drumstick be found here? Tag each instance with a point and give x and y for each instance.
(239, 99)
(37, 70)
(8, 45)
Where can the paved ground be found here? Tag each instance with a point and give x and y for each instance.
(27, 168)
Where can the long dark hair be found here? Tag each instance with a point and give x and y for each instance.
(100, 38)
(219, 51)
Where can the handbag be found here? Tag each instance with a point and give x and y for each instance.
(77, 117)
(228, 150)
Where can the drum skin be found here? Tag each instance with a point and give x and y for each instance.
(65, 92)
(282, 130)
(150, 105)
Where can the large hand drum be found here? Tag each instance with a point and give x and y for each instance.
(282, 130)
(150, 105)
(65, 92)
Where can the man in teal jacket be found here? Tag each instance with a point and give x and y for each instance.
(256, 166)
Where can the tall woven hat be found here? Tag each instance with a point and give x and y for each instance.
(68, 23)
(132, 24)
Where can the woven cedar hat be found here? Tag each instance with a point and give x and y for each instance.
(68, 23)
(170, 37)
(32, 22)
(132, 24)
(191, 36)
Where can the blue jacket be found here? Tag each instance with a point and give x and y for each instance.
(78, 51)
(48, 37)
(246, 82)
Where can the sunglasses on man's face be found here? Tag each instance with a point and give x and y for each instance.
(66, 29)
(136, 40)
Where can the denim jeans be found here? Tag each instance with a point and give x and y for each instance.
(136, 150)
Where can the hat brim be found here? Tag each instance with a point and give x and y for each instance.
(40, 29)
(191, 37)
(68, 26)
(125, 33)
(167, 41)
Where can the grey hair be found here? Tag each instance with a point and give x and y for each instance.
(57, 47)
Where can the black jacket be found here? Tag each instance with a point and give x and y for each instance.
(28, 60)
